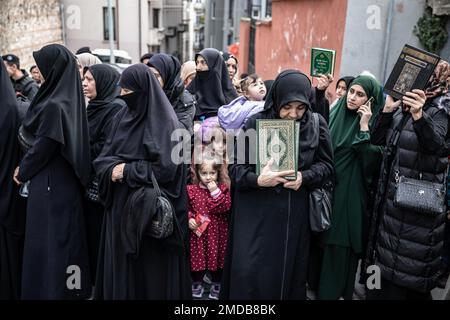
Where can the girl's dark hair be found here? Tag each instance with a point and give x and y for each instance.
(247, 81)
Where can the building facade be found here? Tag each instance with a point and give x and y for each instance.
(140, 25)
(28, 25)
(222, 21)
(366, 34)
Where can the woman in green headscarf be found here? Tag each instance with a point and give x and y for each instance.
(356, 163)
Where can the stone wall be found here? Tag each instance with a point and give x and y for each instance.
(28, 25)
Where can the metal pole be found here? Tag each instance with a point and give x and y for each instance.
(387, 39)
(111, 32)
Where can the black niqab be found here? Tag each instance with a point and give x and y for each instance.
(169, 68)
(58, 111)
(212, 88)
(146, 126)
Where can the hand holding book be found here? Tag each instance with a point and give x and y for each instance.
(269, 178)
(414, 102)
(294, 185)
(324, 82)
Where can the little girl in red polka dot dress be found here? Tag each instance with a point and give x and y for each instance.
(209, 207)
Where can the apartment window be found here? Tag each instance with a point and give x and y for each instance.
(156, 18)
(106, 23)
(269, 8)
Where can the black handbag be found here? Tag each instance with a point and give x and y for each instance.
(320, 208)
(92, 191)
(416, 194)
(420, 196)
(161, 225)
(320, 199)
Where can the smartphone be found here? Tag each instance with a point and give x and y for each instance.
(370, 101)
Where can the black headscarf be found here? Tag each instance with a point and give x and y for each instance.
(212, 88)
(347, 81)
(101, 109)
(226, 56)
(268, 84)
(290, 86)
(169, 68)
(146, 126)
(58, 111)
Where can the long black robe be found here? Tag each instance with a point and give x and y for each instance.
(140, 138)
(55, 261)
(100, 112)
(12, 220)
(269, 235)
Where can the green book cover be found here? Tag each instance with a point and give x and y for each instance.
(278, 139)
(322, 61)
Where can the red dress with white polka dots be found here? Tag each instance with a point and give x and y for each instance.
(208, 250)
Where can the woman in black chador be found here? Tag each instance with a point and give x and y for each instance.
(55, 262)
(11, 221)
(269, 235)
(133, 265)
(100, 86)
(212, 85)
(167, 70)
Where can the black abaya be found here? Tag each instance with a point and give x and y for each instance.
(269, 237)
(56, 165)
(100, 112)
(140, 138)
(11, 218)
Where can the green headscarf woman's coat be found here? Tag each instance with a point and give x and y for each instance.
(356, 165)
(356, 161)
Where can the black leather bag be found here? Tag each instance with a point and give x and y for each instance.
(420, 196)
(161, 225)
(416, 194)
(320, 199)
(320, 208)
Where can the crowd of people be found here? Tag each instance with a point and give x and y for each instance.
(93, 205)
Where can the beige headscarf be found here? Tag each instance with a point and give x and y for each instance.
(88, 60)
(187, 69)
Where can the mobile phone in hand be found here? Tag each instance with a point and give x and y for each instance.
(369, 102)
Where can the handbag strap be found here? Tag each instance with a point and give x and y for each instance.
(155, 184)
(418, 164)
(316, 129)
(394, 143)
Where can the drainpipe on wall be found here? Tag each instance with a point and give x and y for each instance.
(387, 39)
(117, 25)
(63, 24)
(140, 28)
(112, 58)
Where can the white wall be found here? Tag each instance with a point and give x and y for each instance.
(365, 34)
(84, 25)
